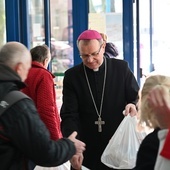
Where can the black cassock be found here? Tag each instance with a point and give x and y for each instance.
(78, 112)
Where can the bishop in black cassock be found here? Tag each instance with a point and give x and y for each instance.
(78, 112)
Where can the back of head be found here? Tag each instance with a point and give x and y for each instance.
(12, 53)
(146, 111)
(40, 53)
(16, 56)
(104, 36)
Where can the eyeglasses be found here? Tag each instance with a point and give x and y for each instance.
(95, 54)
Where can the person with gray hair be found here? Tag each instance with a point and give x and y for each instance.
(23, 136)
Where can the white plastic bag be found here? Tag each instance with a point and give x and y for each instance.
(65, 166)
(121, 151)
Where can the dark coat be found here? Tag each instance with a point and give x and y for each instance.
(78, 112)
(111, 50)
(23, 136)
(147, 154)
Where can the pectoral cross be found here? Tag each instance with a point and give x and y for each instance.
(99, 123)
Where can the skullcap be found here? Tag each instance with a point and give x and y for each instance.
(90, 35)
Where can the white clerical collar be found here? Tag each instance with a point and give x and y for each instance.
(96, 69)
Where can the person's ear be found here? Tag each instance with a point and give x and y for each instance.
(104, 44)
(45, 63)
(18, 68)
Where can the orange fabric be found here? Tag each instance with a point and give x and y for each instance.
(40, 87)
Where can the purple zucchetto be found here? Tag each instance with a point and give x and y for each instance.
(90, 35)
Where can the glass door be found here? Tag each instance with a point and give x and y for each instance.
(154, 39)
(2, 21)
(105, 16)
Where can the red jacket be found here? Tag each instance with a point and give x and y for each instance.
(40, 87)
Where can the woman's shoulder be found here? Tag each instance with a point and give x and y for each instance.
(151, 139)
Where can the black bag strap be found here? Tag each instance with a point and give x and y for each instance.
(11, 98)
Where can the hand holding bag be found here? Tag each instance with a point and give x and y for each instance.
(121, 151)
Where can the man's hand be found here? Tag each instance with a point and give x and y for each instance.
(76, 161)
(130, 109)
(79, 145)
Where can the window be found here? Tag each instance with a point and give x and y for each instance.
(2, 25)
(61, 32)
(106, 17)
(36, 13)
